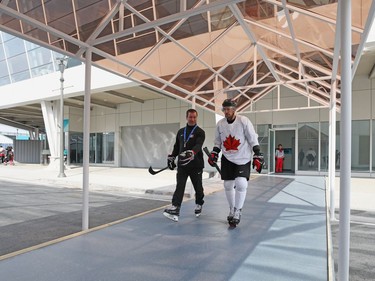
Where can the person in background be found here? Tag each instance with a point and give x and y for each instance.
(2, 154)
(9, 155)
(279, 156)
(310, 156)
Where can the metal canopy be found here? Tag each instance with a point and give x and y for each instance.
(198, 51)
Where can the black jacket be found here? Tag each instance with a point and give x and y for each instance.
(194, 142)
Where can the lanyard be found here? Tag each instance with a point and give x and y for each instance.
(187, 139)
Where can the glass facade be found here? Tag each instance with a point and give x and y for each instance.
(312, 134)
(21, 60)
(101, 148)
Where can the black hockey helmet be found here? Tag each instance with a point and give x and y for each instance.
(229, 103)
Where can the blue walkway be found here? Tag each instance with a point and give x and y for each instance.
(282, 236)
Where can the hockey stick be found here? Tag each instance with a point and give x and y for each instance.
(152, 172)
(205, 149)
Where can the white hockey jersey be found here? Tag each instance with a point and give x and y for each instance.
(236, 140)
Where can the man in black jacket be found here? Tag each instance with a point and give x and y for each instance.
(190, 163)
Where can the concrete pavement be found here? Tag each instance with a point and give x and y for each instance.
(140, 181)
(101, 179)
(284, 217)
(125, 181)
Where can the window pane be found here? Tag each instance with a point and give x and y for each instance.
(263, 135)
(324, 145)
(337, 145)
(20, 76)
(31, 46)
(108, 147)
(42, 70)
(14, 47)
(3, 69)
(76, 147)
(2, 55)
(308, 142)
(361, 145)
(7, 37)
(99, 148)
(39, 56)
(92, 142)
(96, 144)
(18, 63)
(4, 80)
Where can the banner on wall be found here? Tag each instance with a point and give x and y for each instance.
(66, 125)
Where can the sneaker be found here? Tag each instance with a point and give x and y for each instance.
(236, 216)
(172, 213)
(198, 210)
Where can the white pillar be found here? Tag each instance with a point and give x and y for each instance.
(50, 113)
(345, 140)
(86, 143)
(332, 150)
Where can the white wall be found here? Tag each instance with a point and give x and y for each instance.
(157, 111)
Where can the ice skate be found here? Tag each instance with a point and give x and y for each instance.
(236, 218)
(230, 215)
(198, 210)
(172, 213)
(232, 224)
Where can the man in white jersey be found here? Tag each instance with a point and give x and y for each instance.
(236, 138)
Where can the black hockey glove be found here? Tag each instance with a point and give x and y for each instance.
(212, 160)
(258, 162)
(186, 157)
(170, 162)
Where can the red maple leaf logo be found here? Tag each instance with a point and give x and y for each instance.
(231, 143)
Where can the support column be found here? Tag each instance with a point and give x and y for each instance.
(332, 150)
(86, 141)
(345, 138)
(50, 116)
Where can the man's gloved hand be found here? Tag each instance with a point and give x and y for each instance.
(170, 162)
(185, 157)
(212, 160)
(258, 162)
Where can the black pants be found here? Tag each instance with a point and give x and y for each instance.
(196, 179)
